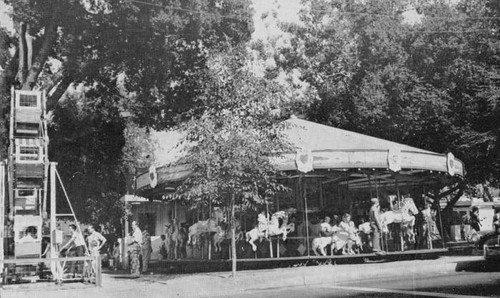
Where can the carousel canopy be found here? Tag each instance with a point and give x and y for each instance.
(333, 148)
(320, 147)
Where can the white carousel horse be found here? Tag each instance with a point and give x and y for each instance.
(179, 239)
(405, 215)
(205, 226)
(273, 228)
(337, 242)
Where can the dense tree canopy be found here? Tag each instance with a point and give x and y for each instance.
(432, 84)
(126, 63)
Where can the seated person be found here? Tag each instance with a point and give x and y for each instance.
(326, 227)
(364, 232)
(29, 235)
(348, 226)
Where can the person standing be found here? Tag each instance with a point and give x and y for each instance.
(146, 249)
(134, 242)
(75, 247)
(475, 222)
(376, 224)
(95, 241)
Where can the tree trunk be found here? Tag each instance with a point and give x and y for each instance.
(49, 38)
(233, 237)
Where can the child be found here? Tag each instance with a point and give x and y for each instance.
(163, 247)
(348, 226)
(116, 256)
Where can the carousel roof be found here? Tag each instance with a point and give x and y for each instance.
(335, 148)
(321, 147)
(319, 137)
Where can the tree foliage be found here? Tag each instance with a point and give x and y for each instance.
(431, 84)
(138, 58)
(230, 143)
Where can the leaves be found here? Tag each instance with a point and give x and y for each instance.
(232, 140)
(432, 84)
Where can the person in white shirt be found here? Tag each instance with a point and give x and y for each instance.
(326, 228)
(134, 248)
(75, 247)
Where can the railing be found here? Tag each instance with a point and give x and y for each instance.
(91, 272)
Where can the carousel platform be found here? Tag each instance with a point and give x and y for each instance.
(205, 265)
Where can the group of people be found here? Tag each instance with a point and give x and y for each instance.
(76, 246)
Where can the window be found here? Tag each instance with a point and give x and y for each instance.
(28, 100)
(29, 153)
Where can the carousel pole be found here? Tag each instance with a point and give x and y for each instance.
(401, 224)
(269, 236)
(278, 238)
(370, 184)
(307, 216)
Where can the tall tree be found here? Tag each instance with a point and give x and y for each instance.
(155, 46)
(431, 84)
(230, 144)
(117, 57)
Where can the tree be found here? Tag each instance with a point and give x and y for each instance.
(230, 144)
(106, 58)
(155, 45)
(433, 84)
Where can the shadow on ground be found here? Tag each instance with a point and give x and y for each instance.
(479, 266)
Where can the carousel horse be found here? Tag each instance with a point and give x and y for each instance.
(272, 228)
(337, 242)
(169, 243)
(179, 239)
(224, 232)
(205, 226)
(405, 216)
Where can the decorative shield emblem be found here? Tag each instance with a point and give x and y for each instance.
(304, 160)
(394, 159)
(153, 177)
(450, 164)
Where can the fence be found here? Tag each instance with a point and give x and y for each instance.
(91, 269)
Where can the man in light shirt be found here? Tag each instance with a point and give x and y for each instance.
(75, 248)
(134, 248)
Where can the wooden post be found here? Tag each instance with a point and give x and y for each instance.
(53, 223)
(98, 273)
(233, 237)
(209, 238)
(2, 212)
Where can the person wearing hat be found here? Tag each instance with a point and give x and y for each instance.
(376, 224)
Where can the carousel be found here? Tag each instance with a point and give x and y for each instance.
(333, 179)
